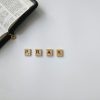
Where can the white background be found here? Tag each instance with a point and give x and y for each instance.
(73, 25)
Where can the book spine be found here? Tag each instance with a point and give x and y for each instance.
(4, 40)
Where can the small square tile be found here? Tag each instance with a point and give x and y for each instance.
(28, 52)
(13, 37)
(60, 52)
(38, 52)
(49, 52)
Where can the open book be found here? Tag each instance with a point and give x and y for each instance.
(12, 14)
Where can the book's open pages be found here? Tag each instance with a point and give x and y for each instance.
(10, 11)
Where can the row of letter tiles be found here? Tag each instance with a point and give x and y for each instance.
(49, 52)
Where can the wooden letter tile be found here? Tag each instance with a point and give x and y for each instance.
(28, 52)
(60, 52)
(38, 52)
(49, 52)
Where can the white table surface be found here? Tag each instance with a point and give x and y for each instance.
(73, 25)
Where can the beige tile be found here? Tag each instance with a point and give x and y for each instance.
(49, 52)
(13, 37)
(38, 52)
(60, 52)
(28, 52)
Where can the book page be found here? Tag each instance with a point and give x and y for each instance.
(10, 11)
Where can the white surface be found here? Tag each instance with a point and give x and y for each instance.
(73, 25)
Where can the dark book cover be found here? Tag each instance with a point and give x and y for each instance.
(12, 29)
